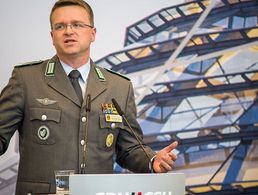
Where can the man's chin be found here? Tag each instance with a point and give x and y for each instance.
(71, 53)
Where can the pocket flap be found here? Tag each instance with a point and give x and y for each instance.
(45, 114)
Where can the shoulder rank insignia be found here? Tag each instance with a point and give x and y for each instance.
(117, 73)
(29, 63)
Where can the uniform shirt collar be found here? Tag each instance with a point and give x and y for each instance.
(84, 70)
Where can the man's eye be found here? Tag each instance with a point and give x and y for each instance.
(59, 26)
(77, 25)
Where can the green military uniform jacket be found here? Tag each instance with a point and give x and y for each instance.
(55, 131)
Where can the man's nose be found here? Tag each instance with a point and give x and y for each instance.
(69, 29)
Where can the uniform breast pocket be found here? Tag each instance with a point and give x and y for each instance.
(108, 133)
(45, 122)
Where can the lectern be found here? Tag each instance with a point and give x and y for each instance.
(128, 184)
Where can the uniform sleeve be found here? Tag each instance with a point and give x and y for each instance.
(11, 109)
(130, 154)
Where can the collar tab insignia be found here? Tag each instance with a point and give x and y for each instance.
(100, 74)
(50, 69)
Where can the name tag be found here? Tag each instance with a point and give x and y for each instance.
(113, 118)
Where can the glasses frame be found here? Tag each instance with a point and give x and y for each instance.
(59, 27)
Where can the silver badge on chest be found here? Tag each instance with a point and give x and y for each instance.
(43, 132)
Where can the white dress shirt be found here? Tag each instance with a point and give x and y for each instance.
(84, 70)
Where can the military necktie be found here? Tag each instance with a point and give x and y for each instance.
(74, 76)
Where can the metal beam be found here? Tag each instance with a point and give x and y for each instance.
(184, 93)
(237, 162)
(204, 140)
(196, 58)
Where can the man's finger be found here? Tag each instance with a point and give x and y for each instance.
(173, 156)
(171, 147)
(165, 166)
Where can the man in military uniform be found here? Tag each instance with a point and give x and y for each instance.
(63, 110)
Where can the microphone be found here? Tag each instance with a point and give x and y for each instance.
(88, 103)
(121, 113)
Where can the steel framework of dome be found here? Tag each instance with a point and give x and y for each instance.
(194, 68)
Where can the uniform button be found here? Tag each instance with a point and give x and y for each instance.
(82, 142)
(44, 117)
(84, 119)
(113, 125)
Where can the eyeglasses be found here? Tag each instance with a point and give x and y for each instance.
(73, 26)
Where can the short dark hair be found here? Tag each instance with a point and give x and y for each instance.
(81, 3)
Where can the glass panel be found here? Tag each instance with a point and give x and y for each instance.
(141, 52)
(168, 47)
(156, 20)
(134, 32)
(217, 81)
(162, 36)
(114, 60)
(233, 1)
(104, 64)
(253, 76)
(236, 79)
(206, 3)
(166, 15)
(238, 22)
(253, 33)
(222, 23)
(176, 35)
(145, 27)
(173, 13)
(214, 36)
(251, 21)
(130, 40)
(201, 67)
(200, 40)
(192, 8)
(154, 112)
(226, 36)
(122, 57)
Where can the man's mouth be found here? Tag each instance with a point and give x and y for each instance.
(69, 41)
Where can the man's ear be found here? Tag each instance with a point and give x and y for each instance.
(51, 33)
(93, 37)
